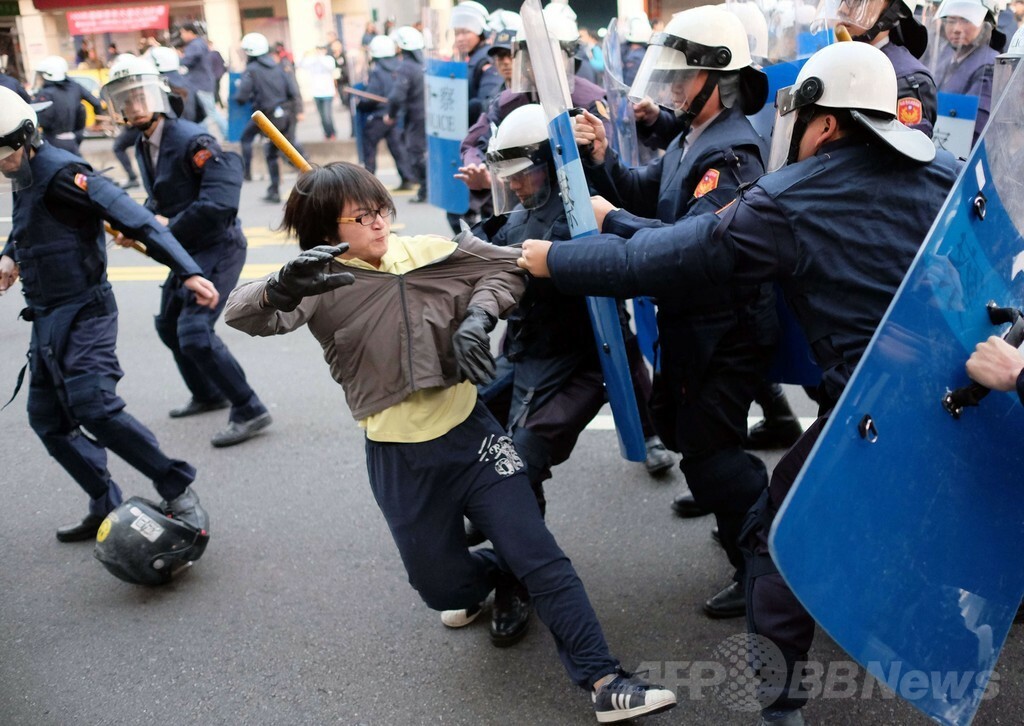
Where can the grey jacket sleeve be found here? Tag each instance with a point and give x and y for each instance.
(501, 285)
(246, 311)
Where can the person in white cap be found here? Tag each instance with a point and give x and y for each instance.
(852, 196)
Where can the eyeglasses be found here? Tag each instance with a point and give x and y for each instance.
(370, 217)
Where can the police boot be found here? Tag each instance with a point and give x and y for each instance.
(780, 428)
(658, 459)
(80, 531)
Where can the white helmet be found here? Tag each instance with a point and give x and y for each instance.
(408, 38)
(501, 20)
(165, 59)
(562, 29)
(469, 15)
(255, 44)
(17, 122)
(53, 68)
(853, 76)
(706, 38)
(519, 160)
(638, 30)
(756, 26)
(382, 47)
(136, 92)
(973, 11)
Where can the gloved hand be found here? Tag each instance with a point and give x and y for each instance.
(306, 275)
(473, 346)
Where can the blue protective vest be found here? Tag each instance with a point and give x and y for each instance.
(855, 248)
(59, 264)
(174, 185)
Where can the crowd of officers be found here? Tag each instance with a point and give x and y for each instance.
(705, 200)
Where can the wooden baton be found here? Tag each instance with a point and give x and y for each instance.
(136, 245)
(278, 140)
(364, 94)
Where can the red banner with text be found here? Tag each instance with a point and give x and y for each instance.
(118, 20)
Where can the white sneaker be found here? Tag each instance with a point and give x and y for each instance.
(460, 618)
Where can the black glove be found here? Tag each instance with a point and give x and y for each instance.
(473, 346)
(306, 275)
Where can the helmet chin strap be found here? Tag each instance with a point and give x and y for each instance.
(148, 125)
(699, 101)
(803, 118)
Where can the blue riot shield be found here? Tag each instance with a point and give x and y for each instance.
(553, 90)
(900, 535)
(624, 136)
(446, 86)
(954, 123)
(238, 114)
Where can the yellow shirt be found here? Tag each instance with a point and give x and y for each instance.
(432, 412)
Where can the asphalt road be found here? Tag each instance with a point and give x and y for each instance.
(300, 612)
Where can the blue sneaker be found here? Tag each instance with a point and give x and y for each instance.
(628, 696)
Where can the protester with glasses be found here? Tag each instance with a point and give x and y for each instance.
(404, 323)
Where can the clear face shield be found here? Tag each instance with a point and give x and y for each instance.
(14, 161)
(134, 100)
(857, 16)
(520, 176)
(522, 70)
(670, 72)
(788, 102)
(1003, 70)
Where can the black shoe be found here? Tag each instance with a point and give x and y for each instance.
(684, 506)
(194, 407)
(729, 603)
(474, 535)
(658, 459)
(247, 176)
(773, 433)
(510, 614)
(272, 197)
(86, 529)
(627, 696)
(185, 507)
(130, 183)
(239, 431)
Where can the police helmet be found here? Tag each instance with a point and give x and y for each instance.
(255, 44)
(501, 20)
(519, 160)
(136, 92)
(853, 76)
(756, 26)
(469, 15)
(707, 38)
(979, 13)
(408, 38)
(140, 544)
(53, 68)
(165, 59)
(638, 30)
(17, 122)
(382, 47)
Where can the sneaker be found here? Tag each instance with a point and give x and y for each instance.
(628, 696)
(461, 618)
(658, 459)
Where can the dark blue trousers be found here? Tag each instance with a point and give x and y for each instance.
(424, 489)
(206, 365)
(74, 375)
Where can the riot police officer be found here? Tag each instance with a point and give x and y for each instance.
(838, 138)
(380, 124)
(469, 21)
(273, 92)
(715, 345)
(57, 246)
(63, 122)
(406, 107)
(195, 186)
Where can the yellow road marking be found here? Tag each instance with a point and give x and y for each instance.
(156, 273)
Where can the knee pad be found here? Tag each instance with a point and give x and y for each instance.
(195, 336)
(92, 397)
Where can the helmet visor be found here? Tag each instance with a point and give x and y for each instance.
(15, 167)
(782, 139)
(523, 80)
(519, 176)
(134, 100)
(665, 78)
(856, 15)
(1004, 68)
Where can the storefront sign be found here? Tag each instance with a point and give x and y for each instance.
(118, 20)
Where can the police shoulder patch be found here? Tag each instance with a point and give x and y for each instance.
(909, 111)
(200, 158)
(708, 183)
(82, 182)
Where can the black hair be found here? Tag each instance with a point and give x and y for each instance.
(319, 196)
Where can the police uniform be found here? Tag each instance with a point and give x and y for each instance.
(484, 80)
(632, 56)
(384, 73)
(917, 99)
(64, 119)
(10, 82)
(969, 76)
(273, 92)
(406, 107)
(785, 228)
(716, 344)
(197, 187)
(59, 246)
